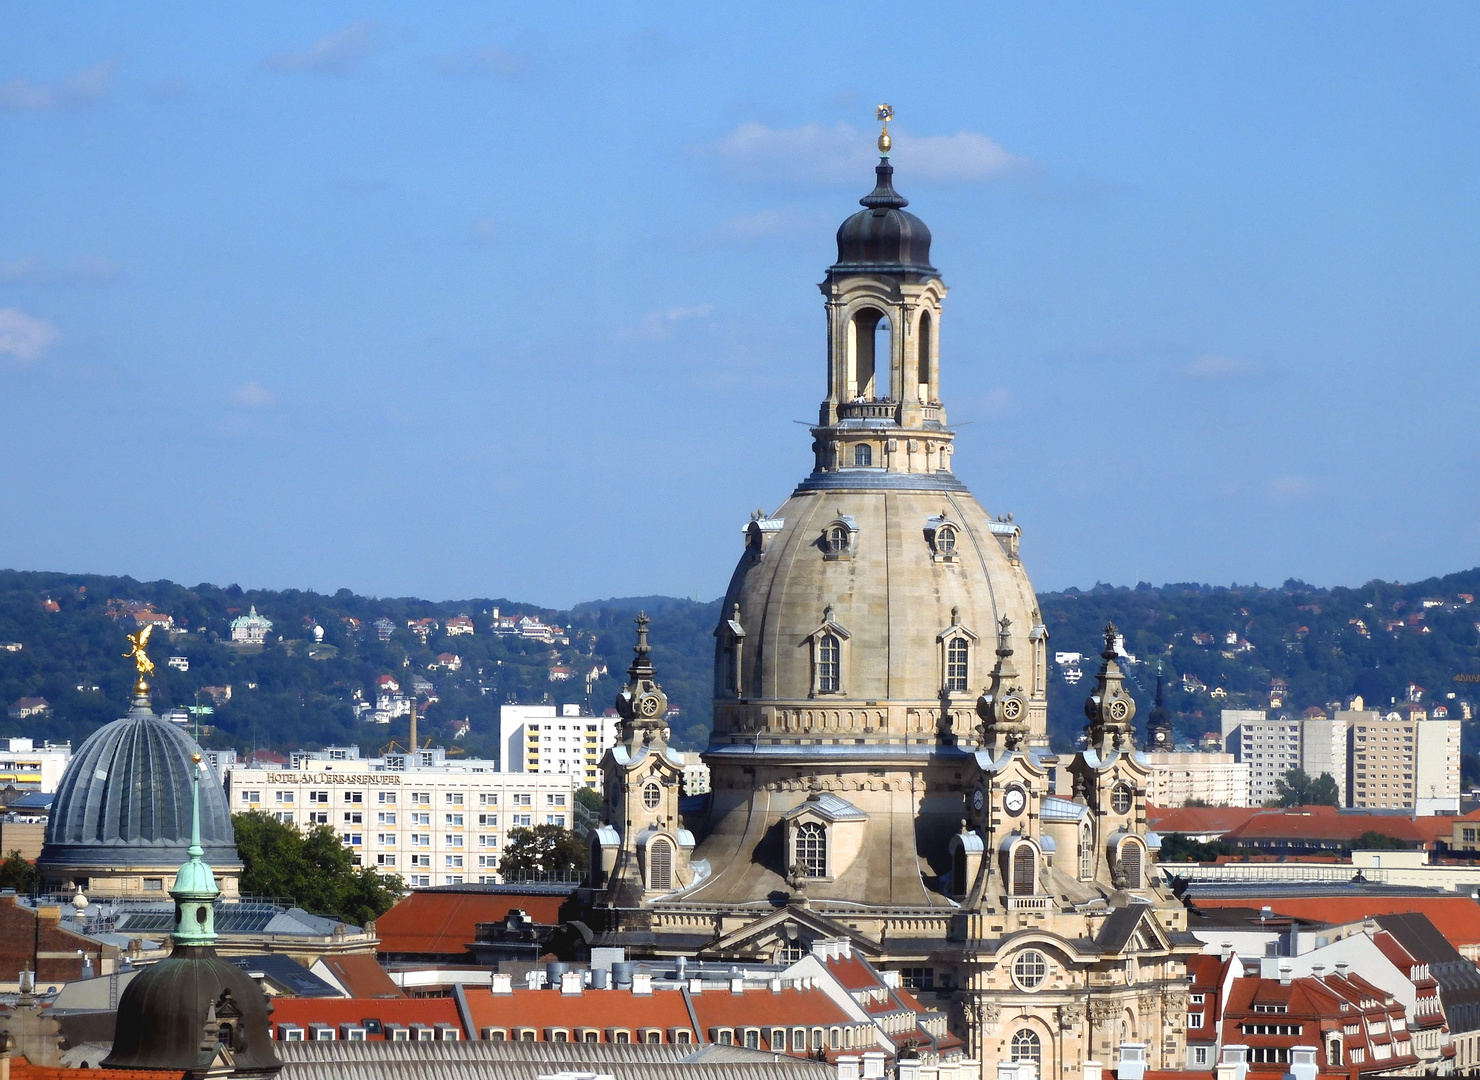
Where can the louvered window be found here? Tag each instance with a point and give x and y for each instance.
(1023, 867)
(1130, 864)
(660, 865)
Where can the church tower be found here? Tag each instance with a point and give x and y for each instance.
(879, 763)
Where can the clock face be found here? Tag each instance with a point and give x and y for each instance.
(1118, 710)
(978, 800)
(1012, 708)
(650, 705)
(1013, 800)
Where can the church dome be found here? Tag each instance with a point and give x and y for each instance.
(125, 800)
(884, 237)
(168, 1010)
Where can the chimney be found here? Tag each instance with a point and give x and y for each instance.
(1234, 1065)
(1302, 1064)
(642, 982)
(1341, 967)
(501, 983)
(873, 1065)
(737, 984)
(1132, 1061)
(570, 982)
(1093, 1070)
(907, 1069)
(1286, 969)
(534, 979)
(848, 1067)
(776, 986)
(696, 986)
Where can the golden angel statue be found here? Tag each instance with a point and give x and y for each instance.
(137, 641)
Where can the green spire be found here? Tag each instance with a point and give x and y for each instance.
(195, 884)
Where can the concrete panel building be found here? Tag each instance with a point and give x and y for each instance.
(1324, 750)
(533, 738)
(1216, 779)
(1270, 747)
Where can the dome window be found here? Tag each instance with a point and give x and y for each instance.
(829, 644)
(1086, 855)
(660, 865)
(955, 655)
(1029, 969)
(863, 456)
(943, 534)
(838, 539)
(1130, 860)
(809, 856)
(1121, 798)
(652, 795)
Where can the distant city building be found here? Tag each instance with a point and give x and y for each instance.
(251, 628)
(1177, 777)
(1324, 749)
(1271, 748)
(30, 766)
(427, 818)
(26, 707)
(180, 663)
(156, 619)
(1401, 761)
(533, 738)
(384, 628)
(458, 625)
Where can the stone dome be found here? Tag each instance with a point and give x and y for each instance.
(884, 237)
(125, 803)
(169, 1009)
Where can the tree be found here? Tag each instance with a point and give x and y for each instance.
(543, 852)
(18, 874)
(590, 799)
(1296, 788)
(1372, 840)
(313, 869)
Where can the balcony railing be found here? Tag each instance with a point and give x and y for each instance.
(868, 410)
(1027, 903)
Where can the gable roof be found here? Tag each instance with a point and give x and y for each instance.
(1457, 917)
(360, 975)
(442, 922)
(336, 1011)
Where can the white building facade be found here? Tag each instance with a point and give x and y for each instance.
(1271, 748)
(1325, 749)
(555, 741)
(428, 819)
(32, 766)
(1216, 779)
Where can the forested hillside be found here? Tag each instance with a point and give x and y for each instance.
(1217, 647)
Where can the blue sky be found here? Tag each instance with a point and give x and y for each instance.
(458, 301)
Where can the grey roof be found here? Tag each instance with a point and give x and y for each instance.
(245, 917)
(879, 480)
(125, 800)
(479, 1060)
(833, 807)
(1119, 926)
(32, 801)
(883, 237)
(1057, 809)
(285, 973)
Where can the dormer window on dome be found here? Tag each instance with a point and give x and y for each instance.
(838, 538)
(943, 535)
(829, 646)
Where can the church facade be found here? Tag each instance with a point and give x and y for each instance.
(879, 763)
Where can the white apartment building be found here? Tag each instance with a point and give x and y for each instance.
(1403, 761)
(550, 741)
(1324, 749)
(427, 818)
(1436, 785)
(1176, 777)
(31, 767)
(1271, 748)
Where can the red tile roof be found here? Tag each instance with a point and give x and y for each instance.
(440, 923)
(1456, 917)
(362, 976)
(21, 1069)
(336, 1011)
(1199, 819)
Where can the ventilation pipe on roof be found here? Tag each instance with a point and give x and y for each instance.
(501, 983)
(1286, 970)
(1132, 1061)
(622, 974)
(642, 982)
(680, 967)
(1341, 968)
(533, 980)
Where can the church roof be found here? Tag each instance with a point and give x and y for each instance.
(125, 801)
(883, 236)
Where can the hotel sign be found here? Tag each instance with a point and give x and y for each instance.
(368, 779)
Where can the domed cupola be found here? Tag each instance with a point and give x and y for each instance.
(121, 820)
(884, 238)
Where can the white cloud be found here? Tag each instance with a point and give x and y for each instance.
(25, 337)
(1216, 367)
(816, 154)
(83, 88)
(251, 395)
(1291, 487)
(492, 60)
(660, 325)
(83, 270)
(336, 53)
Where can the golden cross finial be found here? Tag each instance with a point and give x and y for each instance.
(885, 113)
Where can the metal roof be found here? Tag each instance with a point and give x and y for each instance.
(513, 1060)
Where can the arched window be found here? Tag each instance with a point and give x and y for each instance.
(945, 540)
(1024, 870)
(863, 456)
(1121, 798)
(1130, 864)
(1029, 969)
(869, 353)
(1086, 856)
(957, 654)
(829, 663)
(959, 885)
(811, 849)
(1333, 1053)
(922, 351)
(652, 795)
(660, 865)
(1027, 1046)
(837, 536)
